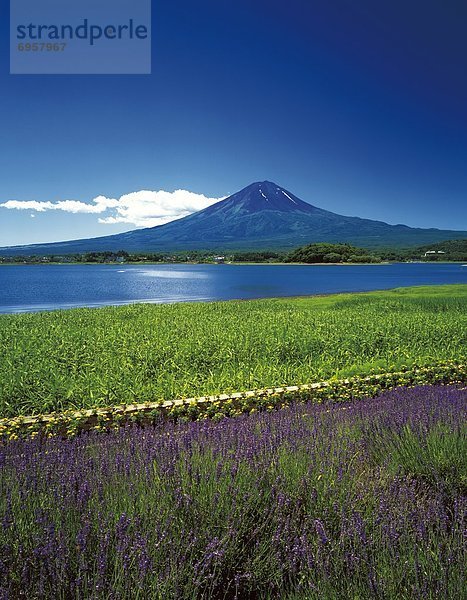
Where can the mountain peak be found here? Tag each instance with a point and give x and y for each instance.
(266, 196)
(264, 185)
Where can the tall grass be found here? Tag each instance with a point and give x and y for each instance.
(90, 357)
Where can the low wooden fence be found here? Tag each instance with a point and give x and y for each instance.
(229, 405)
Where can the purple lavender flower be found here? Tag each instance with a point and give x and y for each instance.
(324, 500)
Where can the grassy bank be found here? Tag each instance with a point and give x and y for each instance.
(98, 357)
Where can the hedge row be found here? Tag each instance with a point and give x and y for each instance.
(70, 423)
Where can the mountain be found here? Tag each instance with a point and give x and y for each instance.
(261, 216)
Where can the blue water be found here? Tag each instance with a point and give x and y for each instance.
(28, 288)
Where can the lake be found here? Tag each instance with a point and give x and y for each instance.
(29, 288)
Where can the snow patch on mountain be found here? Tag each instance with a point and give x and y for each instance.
(285, 194)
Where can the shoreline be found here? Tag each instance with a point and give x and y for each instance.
(274, 264)
(146, 302)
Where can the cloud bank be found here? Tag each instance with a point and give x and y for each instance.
(144, 208)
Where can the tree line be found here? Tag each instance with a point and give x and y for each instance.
(320, 252)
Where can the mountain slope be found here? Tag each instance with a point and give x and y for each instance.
(262, 215)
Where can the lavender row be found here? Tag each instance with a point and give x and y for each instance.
(359, 500)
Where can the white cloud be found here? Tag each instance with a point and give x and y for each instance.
(149, 208)
(145, 208)
(71, 206)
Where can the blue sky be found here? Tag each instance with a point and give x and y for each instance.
(359, 107)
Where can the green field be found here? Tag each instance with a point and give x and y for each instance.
(92, 357)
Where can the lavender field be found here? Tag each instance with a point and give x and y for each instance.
(315, 501)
